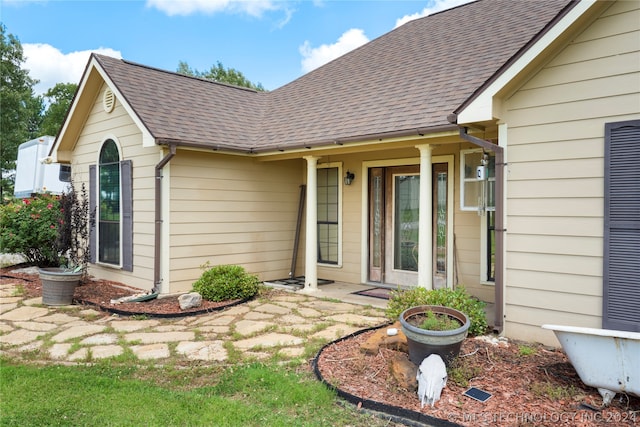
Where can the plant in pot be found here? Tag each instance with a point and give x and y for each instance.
(72, 242)
(436, 321)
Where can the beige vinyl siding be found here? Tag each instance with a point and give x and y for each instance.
(556, 174)
(117, 124)
(227, 209)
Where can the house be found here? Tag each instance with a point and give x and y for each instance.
(493, 145)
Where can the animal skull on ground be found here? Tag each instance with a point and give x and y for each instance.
(432, 378)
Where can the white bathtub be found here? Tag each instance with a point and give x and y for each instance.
(606, 359)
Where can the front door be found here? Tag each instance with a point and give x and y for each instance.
(394, 199)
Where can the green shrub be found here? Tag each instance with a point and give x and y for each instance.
(226, 282)
(30, 227)
(457, 299)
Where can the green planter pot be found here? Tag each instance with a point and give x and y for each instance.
(58, 285)
(423, 342)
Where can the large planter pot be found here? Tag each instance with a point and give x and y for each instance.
(423, 342)
(58, 285)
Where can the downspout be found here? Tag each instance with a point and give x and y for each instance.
(158, 224)
(499, 228)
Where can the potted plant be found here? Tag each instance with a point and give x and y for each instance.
(434, 329)
(422, 311)
(59, 283)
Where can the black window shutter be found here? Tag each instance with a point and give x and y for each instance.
(93, 204)
(127, 214)
(621, 275)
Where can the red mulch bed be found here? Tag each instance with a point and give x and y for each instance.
(520, 386)
(99, 293)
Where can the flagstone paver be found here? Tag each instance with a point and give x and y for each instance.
(222, 329)
(334, 332)
(265, 327)
(36, 326)
(4, 307)
(80, 354)
(203, 350)
(106, 351)
(160, 337)
(329, 306)
(256, 315)
(356, 319)
(272, 339)
(19, 336)
(133, 325)
(222, 320)
(60, 350)
(34, 345)
(24, 313)
(58, 318)
(33, 301)
(292, 319)
(248, 327)
(273, 309)
(151, 351)
(308, 312)
(100, 339)
(170, 328)
(77, 332)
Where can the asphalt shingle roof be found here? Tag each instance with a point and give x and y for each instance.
(410, 78)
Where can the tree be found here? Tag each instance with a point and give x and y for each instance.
(59, 97)
(219, 73)
(20, 109)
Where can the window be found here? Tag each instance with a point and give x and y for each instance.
(109, 204)
(111, 201)
(328, 214)
(478, 194)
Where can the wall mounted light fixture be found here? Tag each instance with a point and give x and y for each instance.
(349, 177)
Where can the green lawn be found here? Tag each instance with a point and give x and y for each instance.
(115, 395)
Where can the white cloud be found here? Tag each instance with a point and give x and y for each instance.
(47, 64)
(436, 6)
(188, 7)
(314, 57)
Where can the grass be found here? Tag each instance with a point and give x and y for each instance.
(553, 391)
(121, 395)
(525, 350)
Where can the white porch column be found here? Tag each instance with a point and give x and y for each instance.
(311, 246)
(425, 238)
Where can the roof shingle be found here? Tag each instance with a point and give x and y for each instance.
(410, 78)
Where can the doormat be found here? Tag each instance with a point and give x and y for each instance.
(382, 293)
(296, 282)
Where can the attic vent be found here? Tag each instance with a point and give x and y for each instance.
(108, 101)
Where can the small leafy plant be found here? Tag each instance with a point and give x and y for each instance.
(49, 231)
(226, 282)
(438, 322)
(457, 299)
(30, 227)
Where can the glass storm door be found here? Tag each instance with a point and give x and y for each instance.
(394, 198)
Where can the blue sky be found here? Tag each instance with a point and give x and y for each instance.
(271, 42)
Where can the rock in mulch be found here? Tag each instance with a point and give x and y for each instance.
(190, 300)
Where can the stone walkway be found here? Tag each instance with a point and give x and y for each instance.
(282, 328)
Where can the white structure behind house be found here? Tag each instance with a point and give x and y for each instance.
(35, 171)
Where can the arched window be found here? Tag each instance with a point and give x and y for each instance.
(109, 204)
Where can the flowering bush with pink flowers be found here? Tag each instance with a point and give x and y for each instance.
(30, 227)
